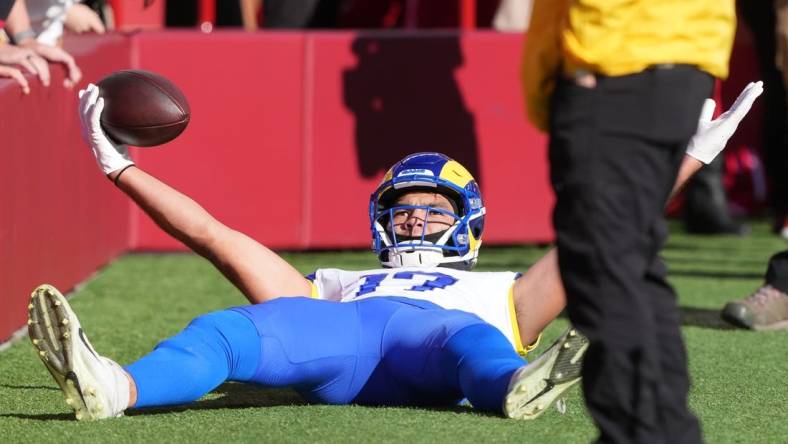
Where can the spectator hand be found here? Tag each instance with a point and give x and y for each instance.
(7, 71)
(109, 156)
(712, 135)
(81, 18)
(57, 55)
(27, 59)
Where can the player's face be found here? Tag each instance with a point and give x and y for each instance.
(415, 222)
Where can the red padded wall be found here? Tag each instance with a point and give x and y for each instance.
(60, 219)
(241, 155)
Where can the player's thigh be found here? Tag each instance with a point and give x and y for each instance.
(416, 367)
(321, 348)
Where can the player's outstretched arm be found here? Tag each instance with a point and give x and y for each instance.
(257, 271)
(539, 297)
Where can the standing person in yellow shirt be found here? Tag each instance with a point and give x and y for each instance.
(620, 85)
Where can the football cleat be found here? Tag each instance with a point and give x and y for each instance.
(95, 387)
(538, 385)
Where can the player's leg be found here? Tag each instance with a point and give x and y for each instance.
(315, 346)
(483, 361)
(94, 386)
(434, 356)
(212, 349)
(441, 355)
(325, 350)
(381, 351)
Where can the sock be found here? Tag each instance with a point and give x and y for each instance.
(119, 399)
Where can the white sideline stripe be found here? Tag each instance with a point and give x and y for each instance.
(15, 337)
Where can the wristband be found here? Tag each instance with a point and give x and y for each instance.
(23, 35)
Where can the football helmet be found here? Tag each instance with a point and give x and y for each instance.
(456, 247)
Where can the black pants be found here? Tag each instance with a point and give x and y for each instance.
(614, 155)
(777, 272)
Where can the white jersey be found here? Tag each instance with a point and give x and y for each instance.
(485, 294)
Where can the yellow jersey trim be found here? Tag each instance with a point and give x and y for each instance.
(314, 293)
(518, 343)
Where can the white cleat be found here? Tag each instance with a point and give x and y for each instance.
(94, 386)
(538, 385)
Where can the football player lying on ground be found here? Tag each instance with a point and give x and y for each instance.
(423, 330)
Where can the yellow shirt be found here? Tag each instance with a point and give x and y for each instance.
(620, 37)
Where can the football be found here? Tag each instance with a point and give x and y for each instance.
(142, 108)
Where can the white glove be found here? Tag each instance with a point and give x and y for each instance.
(110, 157)
(712, 135)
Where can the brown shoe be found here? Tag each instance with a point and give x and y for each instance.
(766, 309)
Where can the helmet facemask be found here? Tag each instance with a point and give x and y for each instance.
(424, 250)
(449, 247)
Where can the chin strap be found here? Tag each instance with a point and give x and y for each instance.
(415, 258)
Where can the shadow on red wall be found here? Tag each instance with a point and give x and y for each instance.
(404, 96)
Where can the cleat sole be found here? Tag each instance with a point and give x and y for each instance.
(539, 385)
(51, 332)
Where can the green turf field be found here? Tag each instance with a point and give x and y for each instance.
(740, 390)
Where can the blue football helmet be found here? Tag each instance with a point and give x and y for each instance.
(456, 247)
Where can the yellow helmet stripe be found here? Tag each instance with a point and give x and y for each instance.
(455, 173)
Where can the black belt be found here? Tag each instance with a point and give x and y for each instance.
(589, 79)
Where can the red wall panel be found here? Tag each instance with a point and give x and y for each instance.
(241, 155)
(60, 219)
(513, 154)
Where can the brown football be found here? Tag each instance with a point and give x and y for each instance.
(142, 108)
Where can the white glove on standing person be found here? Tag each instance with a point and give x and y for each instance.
(110, 157)
(712, 135)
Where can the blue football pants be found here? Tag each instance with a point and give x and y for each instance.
(376, 351)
